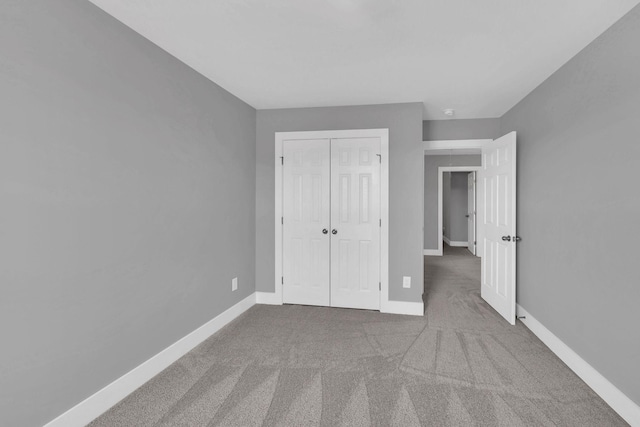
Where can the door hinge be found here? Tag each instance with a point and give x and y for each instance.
(379, 157)
(380, 223)
(282, 160)
(282, 220)
(282, 280)
(379, 286)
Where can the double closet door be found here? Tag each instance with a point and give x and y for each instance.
(331, 222)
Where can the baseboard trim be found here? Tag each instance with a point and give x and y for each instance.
(395, 307)
(403, 307)
(431, 252)
(269, 298)
(454, 243)
(620, 403)
(96, 404)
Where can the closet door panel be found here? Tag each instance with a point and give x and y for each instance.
(306, 222)
(355, 223)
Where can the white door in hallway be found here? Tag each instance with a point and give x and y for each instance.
(497, 195)
(306, 222)
(355, 223)
(471, 212)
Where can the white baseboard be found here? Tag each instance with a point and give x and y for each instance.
(96, 404)
(395, 307)
(454, 243)
(403, 307)
(620, 403)
(269, 298)
(432, 252)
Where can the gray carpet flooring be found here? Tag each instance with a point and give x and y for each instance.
(461, 364)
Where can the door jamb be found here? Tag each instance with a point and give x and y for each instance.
(475, 214)
(441, 171)
(383, 134)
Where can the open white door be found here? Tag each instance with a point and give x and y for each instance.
(497, 195)
(471, 212)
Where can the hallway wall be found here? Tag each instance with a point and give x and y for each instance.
(439, 130)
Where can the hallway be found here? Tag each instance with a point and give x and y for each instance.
(472, 351)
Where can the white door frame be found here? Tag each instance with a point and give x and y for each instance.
(453, 147)
(473, 213)
(441, 171)
(383, 134)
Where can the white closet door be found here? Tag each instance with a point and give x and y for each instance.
(498, 195)
(306, 216)
(355, 223)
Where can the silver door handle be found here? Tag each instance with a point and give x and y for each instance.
(334, 231)
(325, 231)
(517, 238)
(506, 238)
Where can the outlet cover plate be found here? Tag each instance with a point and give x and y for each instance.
(406, 281)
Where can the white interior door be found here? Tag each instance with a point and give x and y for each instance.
(355, 223)
(498, 204)
(306, 222)
(471, 214)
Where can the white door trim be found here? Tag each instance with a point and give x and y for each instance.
(383, 134)
(441, 171)
(472, 239)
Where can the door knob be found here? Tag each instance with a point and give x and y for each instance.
(467, 215)
(334, 231)
(517, 238)
(325, 231)
(506, 238)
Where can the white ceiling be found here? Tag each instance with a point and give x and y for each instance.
(479, 57)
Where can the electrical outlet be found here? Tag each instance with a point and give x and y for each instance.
(234, 284)
(406, 281)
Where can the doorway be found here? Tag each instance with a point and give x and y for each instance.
(496, 219)
(457, 213)
(332, 218)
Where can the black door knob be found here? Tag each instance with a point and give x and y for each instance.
(334, 231)
(325, 231)
(506, 238)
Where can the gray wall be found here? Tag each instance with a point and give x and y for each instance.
(127, 183)
(578, 156)
(458, 207)
(405, 189)
(431, 165)
(437, 130)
